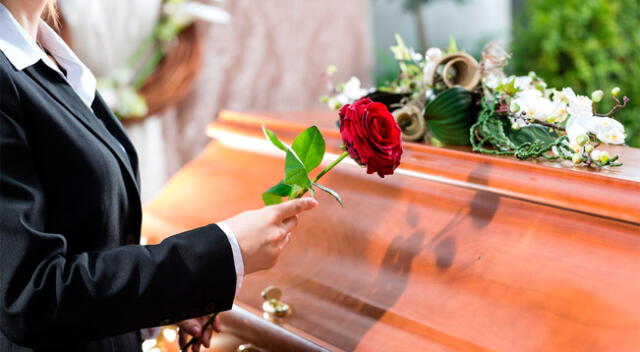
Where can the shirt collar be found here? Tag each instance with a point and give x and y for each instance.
(22, 51)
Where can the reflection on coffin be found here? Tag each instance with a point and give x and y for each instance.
(456, 252)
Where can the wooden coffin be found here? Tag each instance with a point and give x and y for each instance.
(455, 252)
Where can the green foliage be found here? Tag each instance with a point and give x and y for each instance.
(295, 173)
(273, 139)
(585, 44)
(309, 147)
(530, 134)
(450, 116)
(274, 194)
(304, 155)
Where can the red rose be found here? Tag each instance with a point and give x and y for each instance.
(371, 136)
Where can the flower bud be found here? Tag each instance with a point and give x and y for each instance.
(577, 158)
(615, 91)
(576, 148)
(588, 148)
(515, 126)
(514, 107)
(532, 75)
(604, 156)
(595, 155)
(597, 96)
(332, 69)
(582, 139)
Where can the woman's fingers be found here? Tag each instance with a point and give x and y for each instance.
(217, 326)
(191, 327)
(294, 207)
(206, 334)
(285, 242)
(290, 223)
(183, 338)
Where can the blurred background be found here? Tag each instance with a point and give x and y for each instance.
(270, 55)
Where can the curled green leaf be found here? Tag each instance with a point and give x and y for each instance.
(333, 193)
(274, 139)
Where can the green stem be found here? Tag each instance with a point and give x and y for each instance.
(148, 69)
(324, 172)
(143, 48)
(204, 327)
(331, 166)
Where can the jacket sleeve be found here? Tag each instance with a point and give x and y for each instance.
(48, 294)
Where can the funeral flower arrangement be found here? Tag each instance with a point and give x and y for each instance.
(448, 97)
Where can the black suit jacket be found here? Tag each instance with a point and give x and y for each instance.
(72, 276)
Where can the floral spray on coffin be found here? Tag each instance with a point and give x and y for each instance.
(447, 97)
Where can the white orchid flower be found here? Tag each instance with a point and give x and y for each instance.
(491, 81)
(578, 104)
(523, 82)
(582, 120)
(535, 105)
(353, 89)
(433, 54)
(609, 130)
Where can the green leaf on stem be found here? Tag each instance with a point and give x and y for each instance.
(333, 193)
(274, 194)
(295, 192)
(295, 172)
(530, 134)
(309, 146)
(453, 46)
(274, 139)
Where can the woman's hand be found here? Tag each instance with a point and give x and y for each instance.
(263, 233)
(194, 328)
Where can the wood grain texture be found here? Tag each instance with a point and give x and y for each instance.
(456, 252)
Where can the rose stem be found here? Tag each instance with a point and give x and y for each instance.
(331, 166)
(323, 172)
(204, 327)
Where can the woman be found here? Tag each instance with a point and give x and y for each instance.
(73, 277)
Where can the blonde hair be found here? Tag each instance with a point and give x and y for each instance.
(50, 13)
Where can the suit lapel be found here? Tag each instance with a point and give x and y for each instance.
(61, 91)
(111, 122)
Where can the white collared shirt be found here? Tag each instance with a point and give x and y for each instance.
(22, 51)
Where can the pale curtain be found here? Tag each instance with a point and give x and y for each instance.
(270, 57)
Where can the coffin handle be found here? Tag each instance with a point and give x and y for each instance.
(272, 305)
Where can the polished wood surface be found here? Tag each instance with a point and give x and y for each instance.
(456, 252)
